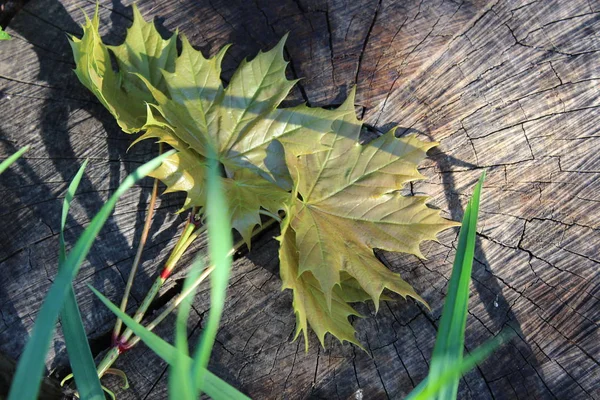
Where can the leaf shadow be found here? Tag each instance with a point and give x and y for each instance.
(63, 150)
(486, 284)
(55, 118)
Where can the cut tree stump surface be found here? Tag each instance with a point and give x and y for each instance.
(509, 86)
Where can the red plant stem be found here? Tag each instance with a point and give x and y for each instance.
(190, 233)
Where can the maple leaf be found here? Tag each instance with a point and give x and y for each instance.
(349, 203)
(144, 52)
(248, 194)
(242, 120)
(344, 199)
(309, 302)
(194, 110)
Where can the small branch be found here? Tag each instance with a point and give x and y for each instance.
(174, 304)
(138, 255)
(190, 233)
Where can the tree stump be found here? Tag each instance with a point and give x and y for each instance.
(509, 86)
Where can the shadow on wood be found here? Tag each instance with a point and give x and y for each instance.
(505, 85)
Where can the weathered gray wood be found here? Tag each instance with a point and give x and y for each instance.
(510, 86)
(49, 388)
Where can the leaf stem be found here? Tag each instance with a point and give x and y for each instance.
(108, 360)
(174, 304)
(138, 256)
(190, 233)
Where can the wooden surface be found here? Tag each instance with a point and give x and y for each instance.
(510, 86)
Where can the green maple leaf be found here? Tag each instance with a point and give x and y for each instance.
(193, 109)
(310, 304)
(144, 52)
(248, 194)
(344, 199)
(241, 120)
(348, 204)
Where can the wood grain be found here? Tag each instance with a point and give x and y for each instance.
(505, 85)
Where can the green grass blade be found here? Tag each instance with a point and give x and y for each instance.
(4, 35)
(6, 163)
(26, 380)
(220, 243)
(431, 388)
(449, 345)
(213, 385)
(65, 210)
(181, 384)
(78, 348)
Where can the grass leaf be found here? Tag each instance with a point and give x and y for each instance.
(78, 348)
(212, 385)
(181, 384)
(31, 362)
(6, 163)
(448, 350)
(220, 243)
(430, 388)
(4, 35)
